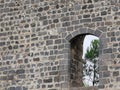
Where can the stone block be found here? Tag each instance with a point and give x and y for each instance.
(85, 20)
(18, 88)
(103, 13)
(65, 24)
(116, 73)
(97, 19)
(12, 88)
(109, 50)
(49, 42)
(106, 74)
(48, 80)
(20, 71)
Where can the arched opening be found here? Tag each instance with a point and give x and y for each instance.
(79, 62)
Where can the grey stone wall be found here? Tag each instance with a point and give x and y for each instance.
(35, 47)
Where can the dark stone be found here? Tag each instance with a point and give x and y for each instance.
(103, 68)
(84, 7)
(103, 13)
(3, 34)
(47, 80)
(103, 29)
(6, 10)
(2, 43)
(91, 6)
(26, 26)
(12, 88)
(79, 17)
(116, 73)
(65, 24)
(85, 20)
(86, 16)
(34, 39)
(54, 68)
(53, 73)
(115, 45)
(43, 86)
(21, 76)
(10, 47)
(20, 71)
(109, 50)
(57, 6)
(98, 33)
(113, 39)
(24, 88)
(32, 24)
(55, 20)
(75, 22)
(39, 81)
(118, 79)
(45, 22)
(101, 86)
(18, 88)
(53, 37)
(21, 46)
(50, 86)
(15, 46)
(109, 34)
(40, 9)
(36, 59)
(111, 85)
(10, 77)
(43, 18)
(69, 37)
(77, 7)
(117, 68)
(46, 8)
(31, 70)
(118, 56)
(38, 86)
(65, 19)
(16, 37)
(97, 19)
(58, 41)
(89, 1)
(118, 39)
(119, 49)
(106, 74)
(49, 42)
(3, 78)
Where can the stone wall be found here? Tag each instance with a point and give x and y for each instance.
(35, 47)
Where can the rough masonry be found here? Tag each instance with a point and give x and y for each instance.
(35, 40)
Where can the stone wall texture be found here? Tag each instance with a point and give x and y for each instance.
(35, 47)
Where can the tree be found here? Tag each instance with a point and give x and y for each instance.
(91, 62)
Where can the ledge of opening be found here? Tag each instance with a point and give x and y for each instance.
(80, 31)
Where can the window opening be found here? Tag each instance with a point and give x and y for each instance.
(90, 59)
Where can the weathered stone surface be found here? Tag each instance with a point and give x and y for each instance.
(109, 50)
(85, 20)
(116, 73)
(106, 74)
(20, 71)
(35, 38)
(47, 80)
(97, 19)
(12, 88)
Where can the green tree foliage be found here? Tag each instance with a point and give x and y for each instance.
(92, 56)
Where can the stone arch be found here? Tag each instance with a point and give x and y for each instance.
(81, 31)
